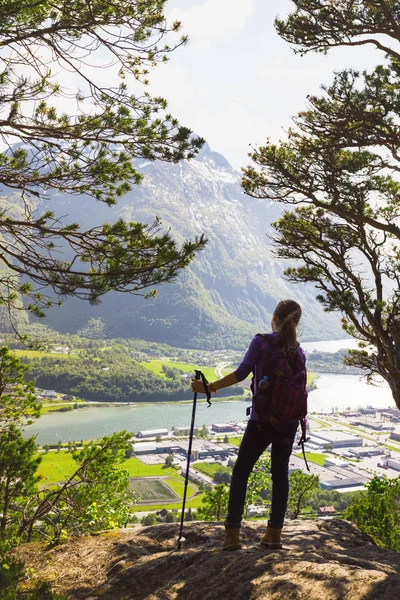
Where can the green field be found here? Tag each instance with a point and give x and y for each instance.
(155, 366)
(56, 466)
(235, 441)
(40, 354)
(178, 485)
(208, 469)
(136, 468)
(153, 490)
(314, 457)
(194, 503)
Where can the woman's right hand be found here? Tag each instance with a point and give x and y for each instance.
(197, 386)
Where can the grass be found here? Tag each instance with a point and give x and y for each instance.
(319, 421)
(154, 490)
(136, 468)
(56, 408)
(56, 466)
(314, 457)
(392, 448)
(311, 377)
(178, 486)
(235, 441)
(155, 366)
(40, 354)
(208, 469)
(194, 503)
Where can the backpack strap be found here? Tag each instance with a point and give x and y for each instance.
(269, 340)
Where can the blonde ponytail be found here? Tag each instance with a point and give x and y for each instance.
(288, 314)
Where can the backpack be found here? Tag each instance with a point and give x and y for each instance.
(285, 399)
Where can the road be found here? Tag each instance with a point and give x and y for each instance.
(220, 367)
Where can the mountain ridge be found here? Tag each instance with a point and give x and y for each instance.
(229, 291)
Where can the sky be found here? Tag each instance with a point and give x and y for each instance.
(236, 83)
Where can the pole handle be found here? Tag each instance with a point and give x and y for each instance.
(200, 375)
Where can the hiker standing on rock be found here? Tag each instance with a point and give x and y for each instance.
(279, 405)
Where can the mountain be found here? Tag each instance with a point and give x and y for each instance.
(231, 288)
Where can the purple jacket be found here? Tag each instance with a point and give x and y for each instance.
(254, 359)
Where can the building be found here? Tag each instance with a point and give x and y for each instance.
(181, 430)
(393, 464)
(48, 393)
(152, 433)
(326, 510)
(338, 439)
(145, 448)
(395, 436)
(370, 410)
(346, 482)
(367, 451)
(223, 427)
(351, 414)
(389, 412)
(330, 461)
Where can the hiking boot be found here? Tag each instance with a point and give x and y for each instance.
(232, 541)
(272, 538)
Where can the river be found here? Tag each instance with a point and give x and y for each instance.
(340, 391)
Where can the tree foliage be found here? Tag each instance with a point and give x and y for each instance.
(96, 496)
(301, 488)
(79, 134)
(377, 512)
(259, 485)
(338, 171)
(18, 405)
(214, 504)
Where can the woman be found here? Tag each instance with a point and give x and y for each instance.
(260, 434)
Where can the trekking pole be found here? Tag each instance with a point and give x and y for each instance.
(198, 375)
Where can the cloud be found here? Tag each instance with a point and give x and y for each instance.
(280, 71)
(228, 131)
(215, 19)
(172, 81)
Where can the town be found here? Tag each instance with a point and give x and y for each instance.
(345, 450)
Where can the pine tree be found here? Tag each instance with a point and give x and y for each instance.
(102, 53)
(337, 171)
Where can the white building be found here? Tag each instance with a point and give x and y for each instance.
(145, 448)
(152, 433)
(338, 439)
(393, 464)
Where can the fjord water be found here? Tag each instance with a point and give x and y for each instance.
(334, 390)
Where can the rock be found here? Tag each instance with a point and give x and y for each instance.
(321, 560)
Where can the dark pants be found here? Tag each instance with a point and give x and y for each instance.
(255, 441)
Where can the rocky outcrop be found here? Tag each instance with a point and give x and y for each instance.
(321, 560)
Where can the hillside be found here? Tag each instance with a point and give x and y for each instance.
(231, 288)
(322, 560)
